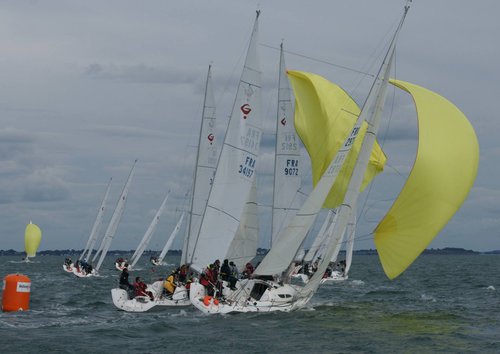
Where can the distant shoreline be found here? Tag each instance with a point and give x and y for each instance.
(260, 252)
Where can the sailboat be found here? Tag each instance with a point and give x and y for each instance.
(287, 177)
(337, 270)
(206, 160)
(148, 234)
(86, 271)
(94, 233)
(32, 239)
(159, 260)
(426, 203)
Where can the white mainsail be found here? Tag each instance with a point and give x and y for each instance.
(115, 220)
(206, 161)
(170, 240)
(148, 234)
(236, 167)
(287, 167)
(89, 247)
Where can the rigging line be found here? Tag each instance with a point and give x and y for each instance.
(319, 60)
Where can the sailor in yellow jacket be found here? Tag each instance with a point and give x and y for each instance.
(169, 284)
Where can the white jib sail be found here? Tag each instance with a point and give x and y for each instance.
(149, 233)
(244, 245)
(89, 247)
(115, 219)
(320, 238)
(206, 160)
(167, 246)
(287, 167)
(236, 167)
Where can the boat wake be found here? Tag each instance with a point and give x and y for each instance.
(425, 297)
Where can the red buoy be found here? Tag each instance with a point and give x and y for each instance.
(16, 293)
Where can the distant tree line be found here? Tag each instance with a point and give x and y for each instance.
(260, 252)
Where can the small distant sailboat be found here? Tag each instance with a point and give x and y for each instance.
(147, 235)
(110, 231)
(68, 265)
(159, 260)
(32, 238)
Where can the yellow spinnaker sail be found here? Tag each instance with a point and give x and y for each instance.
(32, 238)
(324, 116)
(443, 174)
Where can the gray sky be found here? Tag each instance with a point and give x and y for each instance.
(87, 87)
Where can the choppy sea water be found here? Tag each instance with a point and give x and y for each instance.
(441, 304)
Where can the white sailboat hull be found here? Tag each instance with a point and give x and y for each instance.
(273, 297)
(334, 276)
(144, 303)
(68, 268)
(81, 274)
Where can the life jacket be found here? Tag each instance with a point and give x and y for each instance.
(169, 284)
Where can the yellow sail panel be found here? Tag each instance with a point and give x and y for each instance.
(324, 116)
(443, 174)
(32, 238)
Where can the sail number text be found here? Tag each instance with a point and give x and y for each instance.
(251, 139)
(248, 167)
(291, 168)
(289, 142)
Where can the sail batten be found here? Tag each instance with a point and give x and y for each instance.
(441, 178)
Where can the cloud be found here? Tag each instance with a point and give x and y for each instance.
(26, 174)
(141, 73)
